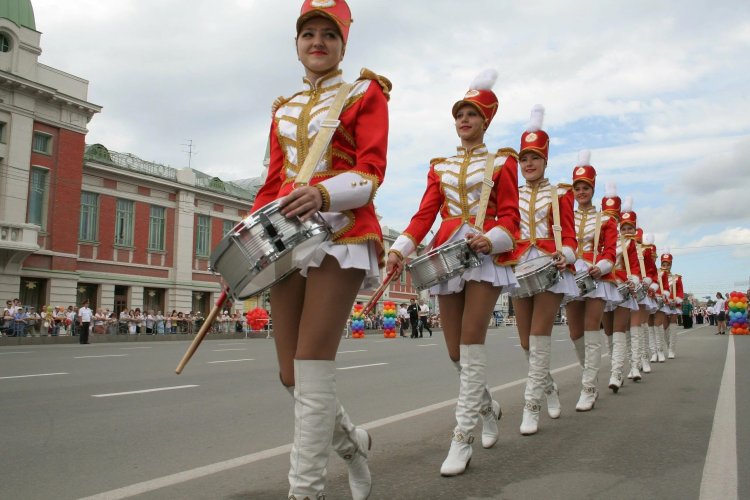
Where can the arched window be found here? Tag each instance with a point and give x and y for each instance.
(4, 43)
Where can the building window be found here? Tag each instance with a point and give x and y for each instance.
(42, 143)
(228, 226)
(4, 43)
(157, 228)
(202, 236)
(403, 277)
(124, 223)
(3, 128)
(38, 195)
(87, 230)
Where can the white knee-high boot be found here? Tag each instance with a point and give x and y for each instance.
(672, 342)
(645, 348)
(635, 356)
(490, 412)
(593, 360)
(660, 344)
(652, 344)
(580, 348)
(314, 418)
(619, 348)
(551, 393)
(539, 363)
(473, 384)
(353, 444)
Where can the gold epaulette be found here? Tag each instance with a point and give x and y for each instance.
(385, 83)
(280, 101)
(435, 161)
(507, 152)
(565, 187)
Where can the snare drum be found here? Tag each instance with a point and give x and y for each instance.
(586, 283)
(442, 263)
(640, 292)
(624, 290)
(264, 248)
(660, 300)
(536, 275)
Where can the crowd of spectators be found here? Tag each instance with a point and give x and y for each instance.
(22, 321)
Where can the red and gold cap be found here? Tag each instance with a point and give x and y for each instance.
(481, 96)
(534, 139)
(666, 256)
(628, 216)
(335, 10)
(611, 203)
(583, 170)
(639, 235)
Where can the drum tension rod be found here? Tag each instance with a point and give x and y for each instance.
(272, 233)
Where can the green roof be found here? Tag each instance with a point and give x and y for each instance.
(19, 11)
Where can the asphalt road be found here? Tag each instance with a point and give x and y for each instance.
(114, 421)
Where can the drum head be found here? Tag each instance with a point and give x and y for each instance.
(531, 266)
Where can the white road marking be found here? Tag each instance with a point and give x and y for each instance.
(207, 470)
(102, 356)
(234, 343)
(222, 350)
(561, 340)
(347, 352)
(144, 391)
(16, 352)
(360, 366)
(35, 375)
(513, 337)
(128, 348)
(720, 470)
(426, 345)
(229, 361)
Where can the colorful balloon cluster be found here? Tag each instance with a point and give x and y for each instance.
(257, 318)
(358, 322)
(389, 320)
(737, 319)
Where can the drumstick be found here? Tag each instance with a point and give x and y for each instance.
(374, 299)
(203, 331)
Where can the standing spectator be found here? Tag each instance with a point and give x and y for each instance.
(70, 317)
(721, 315)
(159, 323)
(34, 322)
(687, 314)
(132, 322)
(7, 324)
(99, 319)
(403, 319)
(20, 317)
(413, 311)
(84, 320)
(172, 322)
(424, 317)
(150, 322)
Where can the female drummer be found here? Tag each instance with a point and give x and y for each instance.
(597, 246)
(671, 284)
(611, 205)
(629, 315)
(310, 307)
(547, 232)
(467, 301)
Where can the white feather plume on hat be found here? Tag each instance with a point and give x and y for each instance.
(536, 121)
(610, 189)
(584, 158)
(648, 238)
(484, 80)
(667, 250)
(627, 204)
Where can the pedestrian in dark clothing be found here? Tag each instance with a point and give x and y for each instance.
(413, 311)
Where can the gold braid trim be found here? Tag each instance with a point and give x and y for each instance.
(385, 83)
(280, 101)
(350, 215)
(507, 152)
(397, 254)
(340, 154)
(346, 136)
(326, 206)
(416, 244)
(435, 161)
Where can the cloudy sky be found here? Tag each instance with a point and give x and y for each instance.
(658, 91)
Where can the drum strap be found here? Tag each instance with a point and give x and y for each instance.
(639, 248)
(597, 230)
(556, 227)
(661, 285)
(625, 259)
(327, 128)
(484, 198)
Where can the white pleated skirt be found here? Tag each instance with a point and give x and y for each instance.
(650, 304)
(349, 256)
(605, 290)
(566, 286)
(488, 271)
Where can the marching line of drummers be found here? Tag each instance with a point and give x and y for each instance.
(547, 245)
